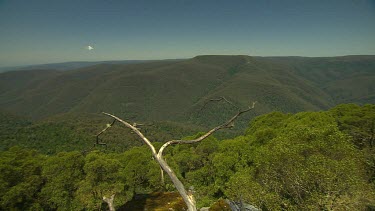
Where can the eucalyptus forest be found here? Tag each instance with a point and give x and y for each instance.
(320, 160)
(185, 135)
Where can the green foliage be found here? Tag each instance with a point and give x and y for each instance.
(72, 132)
(272, 120)
(358, 122)
(51, 138)
(10, 125)
(242, 186)
(74, 181)
(139, 167)
(104, 177)
(62, 174)
(233, 156)
(308, 164)
(20, 179)
(304, 161)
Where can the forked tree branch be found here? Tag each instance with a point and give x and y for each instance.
(227, 124)
(106, 128)
(188, 198)
(135, 130)
(219, 99)
(101, 132)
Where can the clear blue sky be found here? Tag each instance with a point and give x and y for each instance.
(46, 31)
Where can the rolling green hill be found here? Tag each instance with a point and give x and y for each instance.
(177, 90)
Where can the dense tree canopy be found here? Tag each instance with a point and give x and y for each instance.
(304, 161)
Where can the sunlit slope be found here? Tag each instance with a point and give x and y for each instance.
(345, 79)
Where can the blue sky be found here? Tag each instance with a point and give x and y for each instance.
(47, 31)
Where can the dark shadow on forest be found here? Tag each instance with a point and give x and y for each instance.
(155, 201)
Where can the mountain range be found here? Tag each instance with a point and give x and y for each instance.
(178, 90)
(72, 65)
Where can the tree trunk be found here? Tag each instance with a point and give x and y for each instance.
(109, 201)
(188, 198)
(162, 179)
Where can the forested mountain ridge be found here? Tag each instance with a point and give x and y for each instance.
(71, 65)
(177, 90)
(345, 79)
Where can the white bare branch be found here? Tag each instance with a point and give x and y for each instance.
(227, 124)
(188, 198)
(135, 130)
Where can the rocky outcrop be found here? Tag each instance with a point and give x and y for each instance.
(239, 206)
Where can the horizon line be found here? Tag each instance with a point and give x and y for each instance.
(119, 60)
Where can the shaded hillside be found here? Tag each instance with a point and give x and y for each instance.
(177, 90)
(10, 126)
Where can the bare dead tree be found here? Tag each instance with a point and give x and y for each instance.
(158, 156)
(97, 136)
(97, 140)
(222, 98)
